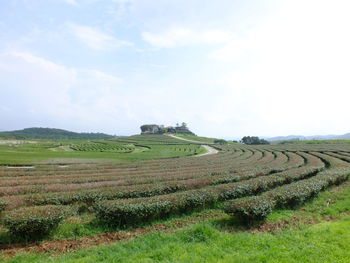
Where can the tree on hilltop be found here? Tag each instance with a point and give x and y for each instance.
(253, 140)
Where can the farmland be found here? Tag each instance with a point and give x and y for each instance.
(80, 189)
(128, 149)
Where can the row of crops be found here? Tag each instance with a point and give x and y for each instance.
(129, 144)
(151, 139)
(103, 147)
(247, 182)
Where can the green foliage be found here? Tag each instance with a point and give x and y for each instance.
(249, 209)
(103, 146)
(3, 204)
(145, 147)
(130, 211)
(108, 193)
(122, 214)
(183, 129)
(151, 139)
(199, 234)
(327, 242)
(253, 140)
(33, 221)
(136, 211)
(291, 195)
(220, 141)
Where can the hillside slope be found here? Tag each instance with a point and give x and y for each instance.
(49, 133)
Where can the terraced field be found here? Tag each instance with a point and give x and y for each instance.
(103, 147)
(151, 139)
(132, 148)
(246, 182)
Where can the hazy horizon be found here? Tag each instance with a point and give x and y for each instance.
(227, 68)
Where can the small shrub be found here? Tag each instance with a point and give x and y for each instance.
(220, 141)
(34, 221)
(3, 205)
(121, 214)
(250, 209)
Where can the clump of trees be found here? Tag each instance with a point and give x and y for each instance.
(220, 141)
(253, 140)
(160, 129)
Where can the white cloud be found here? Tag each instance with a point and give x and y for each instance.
(123, 1)
(293, 67)
(42, 92)
(38, 92)
(95, 39)
(71, 2)
(183, 36)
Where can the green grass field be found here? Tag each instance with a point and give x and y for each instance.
(62, 151)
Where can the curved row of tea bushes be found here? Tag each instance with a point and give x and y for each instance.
(339, 156)
(37, 183)
(256, 208)
(206, 175)
(145, 190)
(130, 211)
(91, 197)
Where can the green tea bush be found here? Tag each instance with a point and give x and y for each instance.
(34, 221)
(3, 204)
(121, 214)
(250, 209)
(109, 193)
(128, 212)
(258, 207)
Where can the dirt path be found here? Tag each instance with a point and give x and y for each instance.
(183, 139)
(210, 150)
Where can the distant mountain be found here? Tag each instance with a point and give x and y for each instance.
(49, 133)
(313, 137)
(285, 138)
(345, 136)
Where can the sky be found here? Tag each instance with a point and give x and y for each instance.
(227, 68)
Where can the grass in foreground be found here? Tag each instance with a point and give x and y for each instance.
(325, 242)
(317, 232)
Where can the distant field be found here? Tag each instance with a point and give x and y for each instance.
(312, 141)
(131, 148)
(243, 186)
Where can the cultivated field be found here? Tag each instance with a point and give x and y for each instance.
(51, 201)
(133, 148)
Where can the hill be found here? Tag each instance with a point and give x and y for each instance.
(49, 133)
